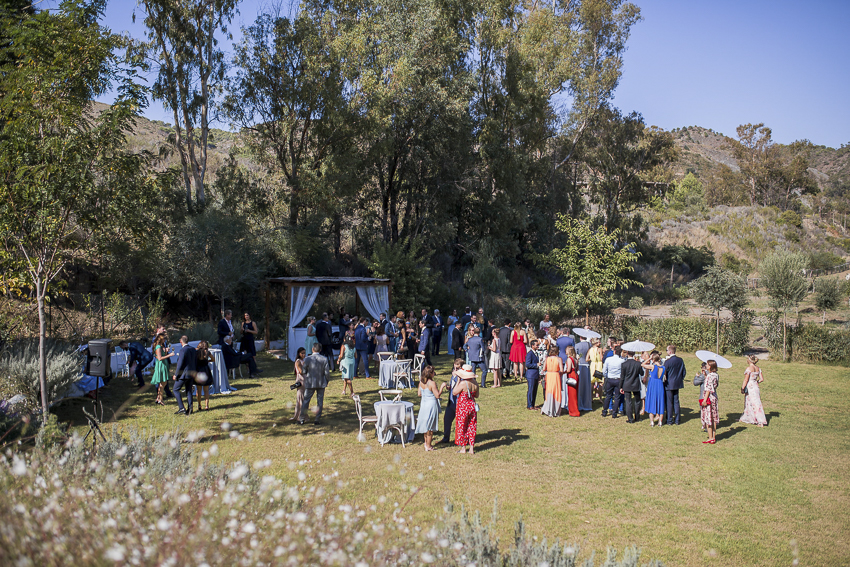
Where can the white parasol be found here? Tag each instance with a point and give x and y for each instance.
(706, 355)
(637, 346)
(586, 333)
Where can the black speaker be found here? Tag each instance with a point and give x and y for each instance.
(98, 359)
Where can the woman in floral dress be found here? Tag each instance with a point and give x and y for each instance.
(753, 410)
(708, 412)
(466, 426)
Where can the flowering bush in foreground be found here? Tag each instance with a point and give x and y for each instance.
(149, 501)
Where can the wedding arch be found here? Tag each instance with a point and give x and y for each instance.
(375, 294)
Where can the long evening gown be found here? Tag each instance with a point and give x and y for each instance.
(572, 391)
(753, 410)
(553, 368)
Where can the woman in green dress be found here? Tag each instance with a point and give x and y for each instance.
(160, 368)
(347, 365)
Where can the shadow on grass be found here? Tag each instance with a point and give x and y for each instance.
(729, 432)
(239, 404)
(497, 438)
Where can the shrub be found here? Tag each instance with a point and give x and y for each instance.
(772, 325)
(738, 331)
(151, 501)
(791, 218)
(204, 331)
(689, 334)
(19, 367)
(636, 303)
(729, 261)
(824, 260)
(815, 343)
(680, 309)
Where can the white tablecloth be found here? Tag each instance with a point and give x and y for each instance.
(220, 384)
(389, 413)
(386, 379)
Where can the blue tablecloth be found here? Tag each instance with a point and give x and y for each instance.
(389, 413)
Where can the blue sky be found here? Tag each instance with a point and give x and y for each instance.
(714, 64)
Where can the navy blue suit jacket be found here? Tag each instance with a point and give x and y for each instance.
(361, 338)
(675, 370)
(424, 339)
(532, 364)
(185, 369)
(223, 331)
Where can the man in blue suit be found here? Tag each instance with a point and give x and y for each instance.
(564, 341)
(361, 347)
(225, 327)
(674, 374)
(424, 347)
(138, 357)
(532, 374)
(324, 336)
(475, 352)
(184, 375)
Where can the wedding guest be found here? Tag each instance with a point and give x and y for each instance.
(424, 347)
(249, 336)
(316, 371)
(437, 332)
(138, 358)
(675, 368)
(428, 420)
(372, 328)
(594, 357)
(392, 335)
(451, 402)
(450, 326)
(347, 363)
(184, 375)
(475, 354)
(466, 391)
(160, 370)
(505, 350)
(655, 390)
(553, 368)
(753, 410)
(532, 375)
(233, 359)
(611, 371)
(708, 411)
(311, 334)
(457, 339)
(585, 388)
(495, 364)
(300, 355)
(324, 336)
(518, 352)
(545, 323)
(225, 327)
(203, 374)
(382, 343)
(571, 374)
(361, 346)
(630, 375)
(563, 341)
(699, 380)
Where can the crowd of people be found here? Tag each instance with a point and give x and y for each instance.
(569, 374)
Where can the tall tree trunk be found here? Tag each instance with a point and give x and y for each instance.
(586, 315)
(717, 348)
(42, 360)
(784, 336)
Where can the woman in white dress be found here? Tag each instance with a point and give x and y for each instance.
(495, 362)
(753, 410)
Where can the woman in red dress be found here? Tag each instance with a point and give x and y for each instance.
(466, 391)
(517, 355)
(571, 368)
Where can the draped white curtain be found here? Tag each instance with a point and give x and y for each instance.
(301, 301)
(375, 299)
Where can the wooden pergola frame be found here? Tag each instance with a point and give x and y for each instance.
(289, 283)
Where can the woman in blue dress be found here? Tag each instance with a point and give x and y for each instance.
(428, 420)
(311, 334)
(347, 365)
(655, 390)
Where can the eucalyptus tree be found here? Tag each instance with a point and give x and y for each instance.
(181, 45)
(66, 177)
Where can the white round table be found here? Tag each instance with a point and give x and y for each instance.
(389, 413)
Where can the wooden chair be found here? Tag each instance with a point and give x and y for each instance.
(382, 356)
(123, 359)
(363, 419)
(396, 395)
(402, 372)
(418, 365)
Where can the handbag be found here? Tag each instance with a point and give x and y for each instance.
(598, 374)
(572, 382)
(468, 393)
(745, 390)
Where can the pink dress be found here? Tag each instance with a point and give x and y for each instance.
(753, 410)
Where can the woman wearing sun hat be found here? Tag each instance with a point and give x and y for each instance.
(466, 426)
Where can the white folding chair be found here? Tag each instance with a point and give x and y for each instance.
(418, 364)
(382, 356)
(396, 395)
(402, 372)
(123, 359)
(363, 419)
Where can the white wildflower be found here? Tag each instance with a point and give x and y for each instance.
(237, 472)
(249, 528)
(163, 524)
(115, 553)
(427, 557)
(225, 426)
(19, 467)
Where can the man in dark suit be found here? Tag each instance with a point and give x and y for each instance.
(137, 358)
(505, 345)
(361, 347)
(437, 333)
(225, 327)
(424, 347)
(233, 359)
(343, 325)
(532, 374)
(184, 375)
(316, 372)
(324, 336)
(457, 339)
(467, 317)
(476, 352)
(674, 373)
(630, 375)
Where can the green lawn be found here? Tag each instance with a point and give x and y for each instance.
(588, 480)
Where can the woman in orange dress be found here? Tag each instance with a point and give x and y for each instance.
(517, 354)
(571, 371)
(553, 369)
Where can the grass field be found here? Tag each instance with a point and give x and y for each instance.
(746, 501)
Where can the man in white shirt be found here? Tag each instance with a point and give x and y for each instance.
(611, 370)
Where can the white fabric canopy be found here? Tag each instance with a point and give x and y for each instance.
(375, 299)
(301, 301)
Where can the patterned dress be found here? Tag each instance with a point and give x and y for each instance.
(753, 410)
(708, 413)
(467, 420)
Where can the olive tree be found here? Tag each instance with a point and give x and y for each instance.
(783, 274)
(720, 289)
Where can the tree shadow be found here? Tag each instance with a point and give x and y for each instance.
(238, 404)
(240, 386)
(497, 438)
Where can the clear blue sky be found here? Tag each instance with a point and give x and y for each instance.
(713, 64)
